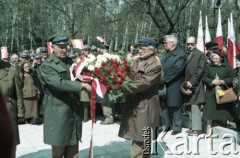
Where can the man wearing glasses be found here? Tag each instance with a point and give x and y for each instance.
(193, 80)
(61, 102)
(141, 110)
(173, 64)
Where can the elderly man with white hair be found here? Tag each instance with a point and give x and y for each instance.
(173, 64)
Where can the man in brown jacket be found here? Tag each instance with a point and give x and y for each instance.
(142, 108)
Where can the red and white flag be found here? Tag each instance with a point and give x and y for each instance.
(219, 34)
(101, 39)
(207, 34)
(4, 52)
(77, 43)
(232, 46)
(49, 47)
(200, 37)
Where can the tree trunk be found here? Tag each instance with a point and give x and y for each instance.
(125, 37)
(137, 33)
(13, 29)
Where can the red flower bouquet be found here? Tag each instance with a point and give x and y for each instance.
(110, 70)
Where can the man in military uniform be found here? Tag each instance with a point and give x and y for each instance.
(43, 51)
(11, 88)
(24, 56)
(62, 109)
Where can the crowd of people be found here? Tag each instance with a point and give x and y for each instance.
(37, 88)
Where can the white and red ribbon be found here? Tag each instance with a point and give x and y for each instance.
(97, 89)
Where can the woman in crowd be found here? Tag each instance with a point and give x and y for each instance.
(215, 74)
(30, 94)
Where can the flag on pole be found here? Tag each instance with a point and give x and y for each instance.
(219, 34)
(232, 46)
(49, 47)
(4, 52)
(101, 39)
(200, 38)
(207, 34)
(77, 43)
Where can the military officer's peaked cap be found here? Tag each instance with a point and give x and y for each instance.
(24, 54)
(60, 40)
(37, 56)
(104, 47)
(86, 47)
(144, 41)
(71, 55)
(93, 48)
(43, 49)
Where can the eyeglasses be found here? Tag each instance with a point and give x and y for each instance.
(166, 42)
(192, 44)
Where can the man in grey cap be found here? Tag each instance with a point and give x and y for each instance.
(62, 109)
(24, 56)
(43, 51)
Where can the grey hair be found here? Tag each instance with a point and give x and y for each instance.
(171, 38)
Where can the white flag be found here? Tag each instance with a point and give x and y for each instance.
(200, 38)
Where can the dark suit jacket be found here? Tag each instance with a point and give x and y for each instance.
(173, 64)
(193, 74)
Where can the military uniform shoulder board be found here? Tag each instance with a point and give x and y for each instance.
(49, 59)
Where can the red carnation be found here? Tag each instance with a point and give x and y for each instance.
(124, 61)
(109, 87)
(117, 70)
(97, 71)
(114, 65)
(104, 64)
(117, 63)
(103, 78)
(113, 77)
(109, 69)
(126, 65)
(118, 86)
(119, 80)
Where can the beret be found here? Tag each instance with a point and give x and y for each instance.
(211, 45)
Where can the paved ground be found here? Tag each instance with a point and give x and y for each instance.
(107, 144)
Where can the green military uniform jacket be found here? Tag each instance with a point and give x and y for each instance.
(11, 88)
(61, 102)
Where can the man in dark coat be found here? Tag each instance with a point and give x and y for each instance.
(173, 64)
(11, 88)
(62, 109)
(142, 107)
(6, 132)
(193, 80)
